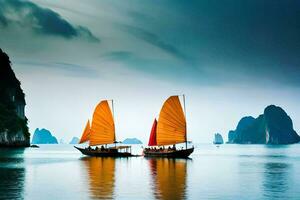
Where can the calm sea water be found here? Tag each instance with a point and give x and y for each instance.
(225, 172)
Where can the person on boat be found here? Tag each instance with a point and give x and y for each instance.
(96, 148)
(102, 148)
(164, 149)
(174, 147)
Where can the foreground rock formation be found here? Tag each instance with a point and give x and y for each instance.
(274, 126)
(13, 122)
(43, 136)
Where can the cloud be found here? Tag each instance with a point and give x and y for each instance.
(153, 39)
(67, 69)
(202, 41)
(226, 40)
(3, 20)
(156, 68)
(40, 20)
(118, 55)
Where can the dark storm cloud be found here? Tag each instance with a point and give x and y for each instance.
(3, 20)
(157, 68)
(118, 55)
(40, 20)
(249, 40)
(153, 39)
(211, 41)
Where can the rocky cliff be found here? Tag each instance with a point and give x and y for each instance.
(279, 127)
(218, 139)
(231, 137)
(274, 126)
(74, 140)
(13, 122)
(132, 141)
(43, 136)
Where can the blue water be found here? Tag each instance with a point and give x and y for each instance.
(225, 172)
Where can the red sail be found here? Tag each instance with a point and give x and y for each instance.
(152, 139)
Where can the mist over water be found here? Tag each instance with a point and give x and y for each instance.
(225, 172)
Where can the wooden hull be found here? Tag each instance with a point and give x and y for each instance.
(184, 153)
(97, 153)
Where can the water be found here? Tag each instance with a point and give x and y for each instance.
(227, 172)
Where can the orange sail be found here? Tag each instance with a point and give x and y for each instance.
(171, 125)
(86, 133)
(103, 126)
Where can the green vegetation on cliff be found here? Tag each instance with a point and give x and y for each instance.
(13, 123)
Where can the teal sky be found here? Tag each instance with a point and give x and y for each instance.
(230, 58)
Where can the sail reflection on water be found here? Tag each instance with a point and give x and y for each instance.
(169, 178)
(101, 175)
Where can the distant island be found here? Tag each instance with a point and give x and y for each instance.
(74, 140)
(218, 139)
(132, 141)
(274, 126)
(43, 136)
(13, 122)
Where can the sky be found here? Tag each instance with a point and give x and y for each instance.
(230, 58)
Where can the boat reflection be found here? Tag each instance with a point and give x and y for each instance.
(169, 178)
(12, 174)
(101, 175)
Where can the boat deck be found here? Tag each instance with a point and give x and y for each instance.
(107, 152)
(182, 153)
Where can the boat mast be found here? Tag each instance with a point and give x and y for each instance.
(112, 107)
(185, 120)
(113, 113)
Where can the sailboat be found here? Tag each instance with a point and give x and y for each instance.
(102, 132)
(170, 129)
